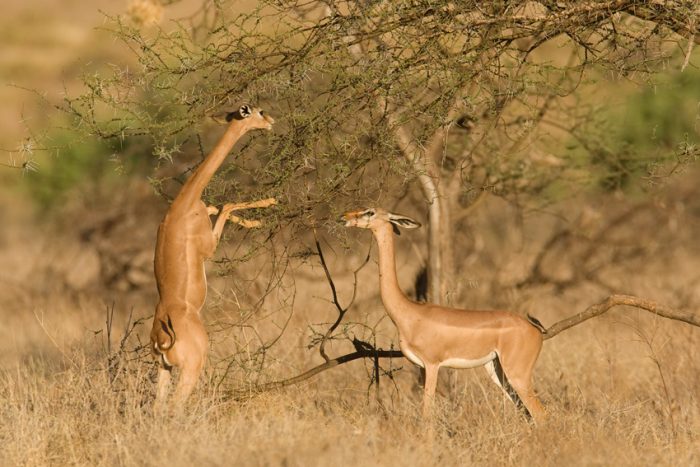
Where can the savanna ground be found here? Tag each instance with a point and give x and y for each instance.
(77, 386)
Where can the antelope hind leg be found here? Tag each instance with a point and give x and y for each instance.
(192, 355)
(163, 387)
(517, 382)
(495, 371)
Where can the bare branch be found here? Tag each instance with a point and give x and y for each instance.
(341, 310)
(627, 300)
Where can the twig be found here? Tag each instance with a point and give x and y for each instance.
(691, 42)
(109, 320)
(26, 166)
(341, 310)
(53, 341)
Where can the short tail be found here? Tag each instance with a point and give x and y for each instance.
(169, 331)
(536, 323)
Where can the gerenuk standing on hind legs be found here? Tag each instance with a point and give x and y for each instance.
(185, 240)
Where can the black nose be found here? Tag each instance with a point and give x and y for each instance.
(341, 220)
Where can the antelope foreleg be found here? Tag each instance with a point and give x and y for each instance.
(230, 207)
(243, 222)
(219, 226)
(262, 203)
(431, 374)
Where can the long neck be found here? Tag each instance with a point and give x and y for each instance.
(393, 298)
(194, 187)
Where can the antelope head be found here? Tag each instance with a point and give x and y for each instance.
(251, 117)
(373, 218)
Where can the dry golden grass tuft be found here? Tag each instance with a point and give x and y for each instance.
(63, 402)
(70, 413)
(620, 390)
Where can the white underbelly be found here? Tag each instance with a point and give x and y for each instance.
(458, 363)
(467, 363)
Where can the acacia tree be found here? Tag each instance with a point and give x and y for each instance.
(445, 103)
(459, 99)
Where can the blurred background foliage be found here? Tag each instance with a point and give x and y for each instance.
(663, 115)
(641, 138)
(157, 91)
(89, 168)
(649, 135)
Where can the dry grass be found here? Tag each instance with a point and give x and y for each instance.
(69, 412)
(621, 390)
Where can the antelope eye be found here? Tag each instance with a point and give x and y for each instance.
(369, 213)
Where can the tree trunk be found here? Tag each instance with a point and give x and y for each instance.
(435, 242)
(446, 271)
(438, 213)
(440, 246)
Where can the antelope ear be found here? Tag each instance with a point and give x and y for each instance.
(403, 221)
(396, 229)
(245, 111)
